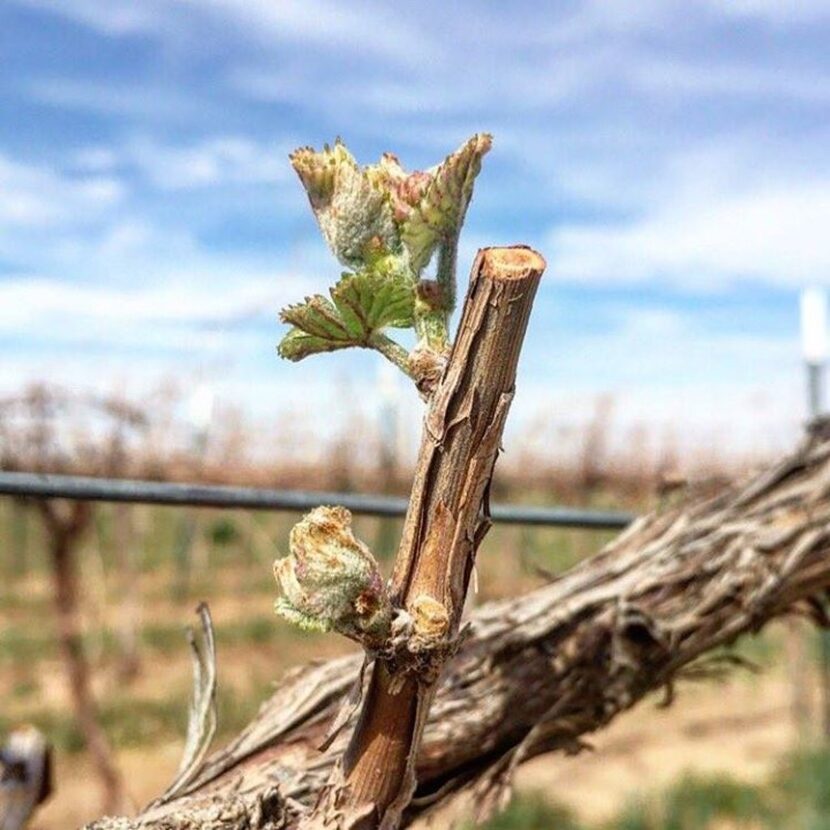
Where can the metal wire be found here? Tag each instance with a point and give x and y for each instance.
(80, 488)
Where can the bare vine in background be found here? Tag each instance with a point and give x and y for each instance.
(31, 438)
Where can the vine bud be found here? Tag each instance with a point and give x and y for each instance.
(331, 581)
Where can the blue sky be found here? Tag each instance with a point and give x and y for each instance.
(670, 159)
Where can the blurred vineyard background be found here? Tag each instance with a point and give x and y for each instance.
(670, 161)
(739, 752)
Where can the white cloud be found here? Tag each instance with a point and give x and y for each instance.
(210, 162)
(773, 11)
(38, 196)
(113, 17)
(671, 374)
(597, 19)
(119, 247)
(527, 85)
(142, 101)
(367, 29)
(776, 234)
(95, 159)
(691, 421)
(179, 309)
(673, 78)
(214, 161)
(86, 225)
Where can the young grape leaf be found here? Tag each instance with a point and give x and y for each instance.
(361, 304)
(372, 300)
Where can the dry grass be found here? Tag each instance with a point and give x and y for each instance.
(231, 556)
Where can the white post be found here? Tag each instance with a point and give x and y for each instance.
(200, 416)
(814, 349)
(814, 346)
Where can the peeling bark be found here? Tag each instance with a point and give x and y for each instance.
(542, 672)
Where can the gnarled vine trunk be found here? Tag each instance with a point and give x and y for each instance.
(541, 672)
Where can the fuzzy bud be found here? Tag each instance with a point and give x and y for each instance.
(351, 205)
(382, 206)
(331, 581)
